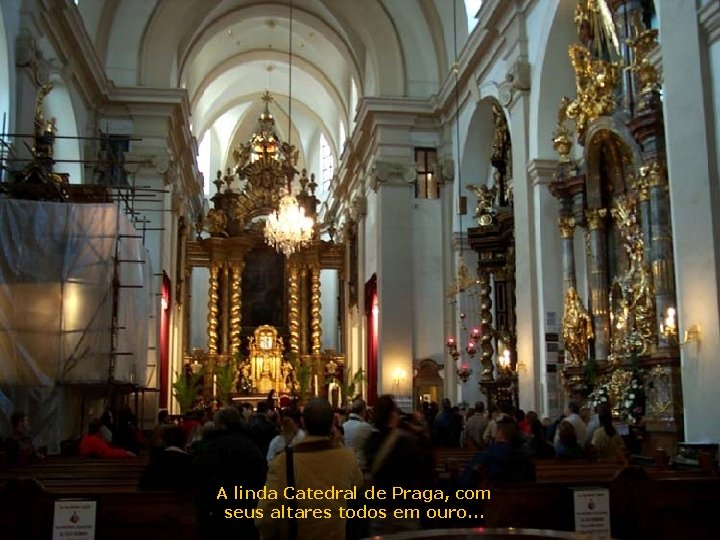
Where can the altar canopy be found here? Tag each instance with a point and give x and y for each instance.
(56, 310)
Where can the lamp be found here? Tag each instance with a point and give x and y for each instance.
(462, 366)
(669, 329)
(399, 378)
(288, 228)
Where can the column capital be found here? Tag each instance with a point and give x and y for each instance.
(566, 224)
(394, 173)
(654, 174)
(595, 218)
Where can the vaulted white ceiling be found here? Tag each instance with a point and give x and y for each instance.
(227, 52)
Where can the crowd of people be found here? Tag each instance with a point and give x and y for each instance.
(266, 448)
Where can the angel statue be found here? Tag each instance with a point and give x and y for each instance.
(577, 328)
(485, 207)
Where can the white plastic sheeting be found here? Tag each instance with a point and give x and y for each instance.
(56, 305)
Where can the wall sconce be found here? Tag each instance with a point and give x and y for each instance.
(504, 364)
(398, 379)
(670, 332)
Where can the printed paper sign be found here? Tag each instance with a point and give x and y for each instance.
(74, 520)
(592, 512)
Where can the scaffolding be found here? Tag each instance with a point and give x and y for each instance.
(76, 291)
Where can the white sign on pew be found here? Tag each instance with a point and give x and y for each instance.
(74, 519)
(592, 511)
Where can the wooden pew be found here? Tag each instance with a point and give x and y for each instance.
(640, 506)
(26, 512)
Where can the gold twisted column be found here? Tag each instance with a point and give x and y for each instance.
(304, 330)
(294, 308)
(598, 281)
(315, 314)
(212, 315)
(235, 306)
(225, 312)
(486, 329)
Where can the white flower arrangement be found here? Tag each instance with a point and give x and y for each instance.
(600, 395)
(633, 399)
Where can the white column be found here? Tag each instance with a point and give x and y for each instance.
(693, 195)
(395, 286)
(549, 283)
(526, 267)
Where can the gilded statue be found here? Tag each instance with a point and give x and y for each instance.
(501, 156)
(562, 142)
(642, 43)
(632, 299)
(596, 29)
(40, 124)
(577, 328)
(485, 208)
(216, 222)
(595, 82)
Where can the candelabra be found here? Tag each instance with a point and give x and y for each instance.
(462, 363)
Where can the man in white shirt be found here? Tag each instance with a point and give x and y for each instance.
(475, 426)
(577, 422)
(357, 431)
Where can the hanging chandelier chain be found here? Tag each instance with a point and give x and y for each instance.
(456, 69)
(290, 79)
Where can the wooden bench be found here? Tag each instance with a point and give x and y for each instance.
(640, 506)
(77, 472)
(26, 512)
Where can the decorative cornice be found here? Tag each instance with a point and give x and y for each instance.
(541, 172)
(709, 18)
(392, 173)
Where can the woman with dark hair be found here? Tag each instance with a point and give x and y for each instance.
(607, 442)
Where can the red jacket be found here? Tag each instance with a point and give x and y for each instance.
(96, 446)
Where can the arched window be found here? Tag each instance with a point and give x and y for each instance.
(472, 7)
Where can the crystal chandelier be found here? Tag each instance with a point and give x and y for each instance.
(288, 228)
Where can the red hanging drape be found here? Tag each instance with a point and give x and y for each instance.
(371, 317)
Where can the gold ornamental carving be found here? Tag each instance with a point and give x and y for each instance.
(596, 218)
(577, 328)
(294, 308)
(641, 186)
(315, 311)
(566, 224)
(235, 306)
(642, 44)
(562, 136)
(485, 210)
(595, 82)
(486, 328)
(654, 174)
(632, 303)
(213, 311)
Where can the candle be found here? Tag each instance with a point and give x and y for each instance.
(316, 385)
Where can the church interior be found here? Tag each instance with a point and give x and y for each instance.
(216, 202)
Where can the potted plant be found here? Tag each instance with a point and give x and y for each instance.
(224, 381)
(185, 389)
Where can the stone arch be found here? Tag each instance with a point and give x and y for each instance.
(58, 104)
(5, 86)
(610, 155)
(554, 77)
